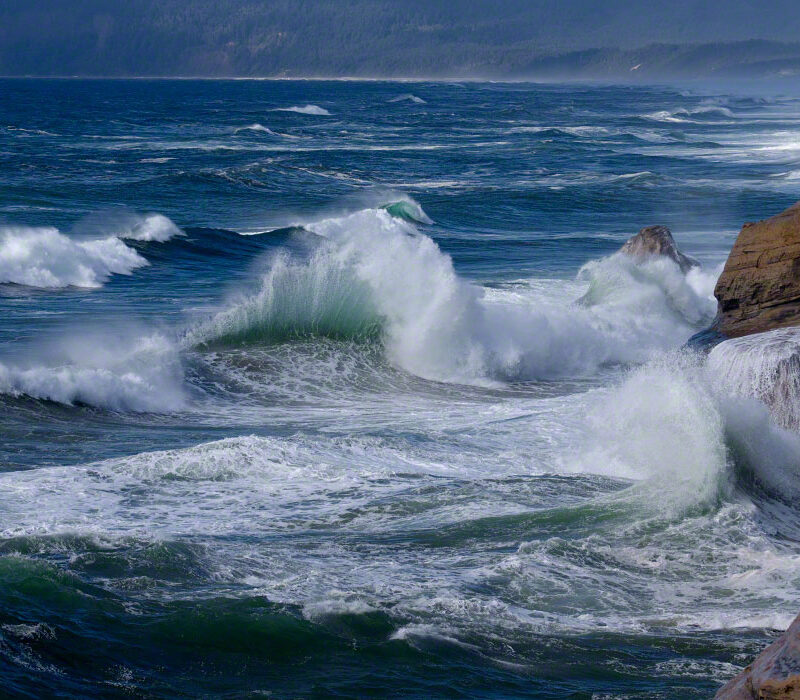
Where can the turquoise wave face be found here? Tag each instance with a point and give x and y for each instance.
(323, 388)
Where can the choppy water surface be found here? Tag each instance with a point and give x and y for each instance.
(337, 389)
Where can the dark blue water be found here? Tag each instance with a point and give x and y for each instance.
(315, 389)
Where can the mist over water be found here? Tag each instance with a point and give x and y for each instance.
(309, 387)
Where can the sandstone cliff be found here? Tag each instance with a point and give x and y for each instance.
(759, 289)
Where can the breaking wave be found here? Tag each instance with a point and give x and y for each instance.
(702, 112)
(663, 424)
(408, 97)
(307, 109)
(409, 210)
(255, 127)
(152, 227)
(45, 257)
(374, 275)
(261, 129)
(140, 374)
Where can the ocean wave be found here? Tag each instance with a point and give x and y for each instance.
(261, 129)
(702, 112)
(307, 109)
(140, 374)
(409, 210)
(408, 97)
(151, 227)
(45, 257)
(642, 177)
(30, 132)
(656, 285)
(255, 127)
(375, 275)
(581, 131)
(788, 175)
(696, 430)
(395, 203)
(318, 298)
(662, 425)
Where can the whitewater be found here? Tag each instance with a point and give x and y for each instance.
(353, 394)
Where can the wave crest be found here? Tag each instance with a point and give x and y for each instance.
(307, 109)
(375, 275)
(407, 97)
(142, 374)
(44, 257)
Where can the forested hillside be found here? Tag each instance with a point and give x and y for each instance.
(414, 38)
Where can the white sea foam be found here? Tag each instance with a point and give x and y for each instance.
(45, 257)
(375, 270)
(141, 373)
(664, 425)
(255, 127)
(763, 366)
(637, 560)
(307, 109)
(261, 129)
(682, 423)
(151, 227)
(408, 97)
(701, 112)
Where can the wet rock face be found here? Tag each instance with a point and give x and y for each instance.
(653, 241)
(773, 675)
(759, 289)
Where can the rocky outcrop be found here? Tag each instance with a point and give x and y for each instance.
(759, 289)
(654, 241)
(773, 675)
(758, 294)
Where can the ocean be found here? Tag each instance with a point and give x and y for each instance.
(339, 389)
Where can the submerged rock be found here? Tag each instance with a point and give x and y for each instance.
(759, 289)
(773, 675)
(654, 241)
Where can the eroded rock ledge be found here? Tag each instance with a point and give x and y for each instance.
(774, 675)
(758, 292)
(759, 289)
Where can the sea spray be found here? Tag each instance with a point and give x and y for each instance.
(662, 426)
(44, 257)
(296, 299)
(764, 366)
(375, 275)
(151, 227)
(135, 372)
(88, 257)
(675, 426)
(656, 285)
